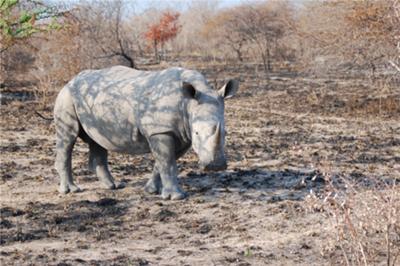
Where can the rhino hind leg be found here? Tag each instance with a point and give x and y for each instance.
(153, 185)
(67, 130)
(63, 165)
(98, 162)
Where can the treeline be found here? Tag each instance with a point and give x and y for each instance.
(316, 37)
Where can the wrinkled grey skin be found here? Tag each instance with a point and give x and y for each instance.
(125, 110)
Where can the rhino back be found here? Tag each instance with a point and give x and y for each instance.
(120, 107)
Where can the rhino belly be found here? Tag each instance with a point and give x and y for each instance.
(124, 140)
(114, 129)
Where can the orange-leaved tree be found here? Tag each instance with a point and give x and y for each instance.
(166, 29)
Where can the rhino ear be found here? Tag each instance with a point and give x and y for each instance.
(229, 89)
(188, 90)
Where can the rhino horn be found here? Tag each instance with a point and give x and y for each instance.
(217, 137)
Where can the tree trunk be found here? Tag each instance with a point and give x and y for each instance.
(130, 60)
(239, 54)
(269, 61)
(264, 61)
(162, 51)
(155, 51)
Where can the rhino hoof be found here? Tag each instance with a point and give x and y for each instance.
(114, 186)
(110, 186)
(63, 189)
(120, 185)
(74, 189)
(152, 187)
(173, 194)
(69, 188)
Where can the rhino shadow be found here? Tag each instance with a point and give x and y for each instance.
(257, 184)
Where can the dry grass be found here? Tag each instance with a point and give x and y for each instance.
(365, 220)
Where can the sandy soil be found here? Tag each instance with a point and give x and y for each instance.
(283, 136)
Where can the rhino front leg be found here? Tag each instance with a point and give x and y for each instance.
(153, 185)
(163, 149)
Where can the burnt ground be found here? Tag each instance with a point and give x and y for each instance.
(285, 136)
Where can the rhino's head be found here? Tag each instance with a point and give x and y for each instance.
(207, 126)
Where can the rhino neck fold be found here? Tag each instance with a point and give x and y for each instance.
(187, 132)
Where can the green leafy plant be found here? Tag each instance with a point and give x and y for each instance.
(18, 24)
(247, 252)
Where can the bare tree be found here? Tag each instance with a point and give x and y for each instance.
(356, 34)
(189, 41)
(58, 57)
(226, 29)
(103, 23)
(263, 25)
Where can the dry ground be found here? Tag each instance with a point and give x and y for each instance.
(284, 135)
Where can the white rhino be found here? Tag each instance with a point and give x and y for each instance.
(125, 110)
